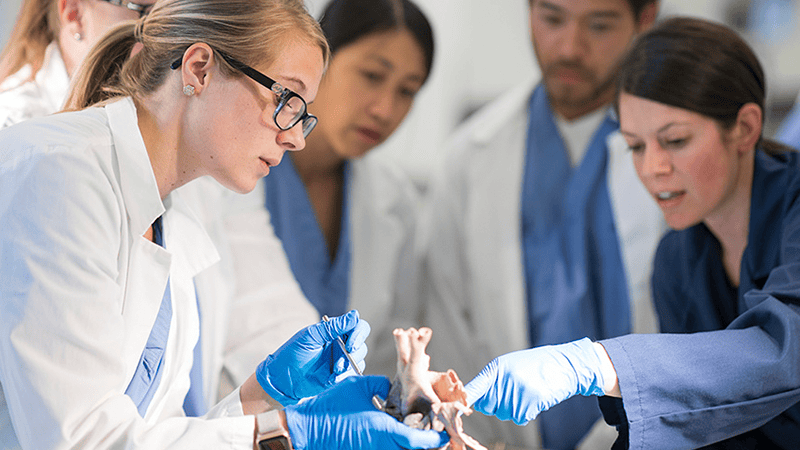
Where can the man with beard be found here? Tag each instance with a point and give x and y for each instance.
(537, 230)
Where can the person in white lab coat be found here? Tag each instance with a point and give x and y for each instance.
(49, 40)
(34, 82)
(346, 216)
(98, 252)
(537, 227)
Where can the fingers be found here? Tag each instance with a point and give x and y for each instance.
(358, 336)
(480, 385)
(374, 384)
(340, 326)
(408, 437)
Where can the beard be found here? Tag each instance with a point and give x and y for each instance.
(591, 89)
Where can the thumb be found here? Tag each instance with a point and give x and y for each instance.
(481, 384)
(407, 437)
(340, 325)
(374, 384)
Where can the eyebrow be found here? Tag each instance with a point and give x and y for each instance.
(660, 130)
(302, 86)
(388, 64)
(602, 14)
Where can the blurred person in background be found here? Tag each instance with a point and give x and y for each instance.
(49, 40)
(346, 217)
(537, 230)
(725, 371)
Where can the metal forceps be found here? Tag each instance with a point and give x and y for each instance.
(376, 401)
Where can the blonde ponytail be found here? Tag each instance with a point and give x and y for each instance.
(251, 31)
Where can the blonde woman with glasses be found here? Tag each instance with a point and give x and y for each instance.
(98, 252)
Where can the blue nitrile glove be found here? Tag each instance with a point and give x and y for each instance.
(519, 385)
(343, 418)
(311, 360)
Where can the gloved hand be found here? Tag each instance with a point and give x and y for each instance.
(311, 360)
(519, 385)
(343, 418)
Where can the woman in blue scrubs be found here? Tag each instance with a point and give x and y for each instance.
(726, 373)
(345, 217)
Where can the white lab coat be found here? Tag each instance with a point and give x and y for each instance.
(81, 289)
(383, 208)
(474, 281)
(250, 301)
(24, 97)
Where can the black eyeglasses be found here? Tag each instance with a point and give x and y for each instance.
(140, 8)
(291, 108)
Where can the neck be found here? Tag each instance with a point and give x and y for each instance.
(317, 160)
(730, 222)
(159, 122)
(573, 111)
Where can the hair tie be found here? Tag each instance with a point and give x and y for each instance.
(137, 31)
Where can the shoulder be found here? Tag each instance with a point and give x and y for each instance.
(493, 119)
(20, 101)
(377, 177)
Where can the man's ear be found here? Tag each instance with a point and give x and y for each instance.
(748, 126)
(198, 61)
(648, 16)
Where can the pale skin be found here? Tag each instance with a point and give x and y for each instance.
(578, 45)
(191, 136)
(90, 19)
(696, 171)
(365, 95)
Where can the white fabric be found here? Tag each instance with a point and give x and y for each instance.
(577, 133)
(23, 97)
(473, 277)
(263, 305)
(268, 305)
(81, 289)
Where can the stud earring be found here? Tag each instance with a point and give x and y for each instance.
(188, 90)
(77, 37)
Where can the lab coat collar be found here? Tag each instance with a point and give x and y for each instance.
(772, 175)
(138, 183)
(182, 229)
(512, 105)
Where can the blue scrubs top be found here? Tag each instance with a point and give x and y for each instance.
(575, 278)
(325, 282)
(686, 390)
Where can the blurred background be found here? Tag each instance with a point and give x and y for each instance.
(483, 48)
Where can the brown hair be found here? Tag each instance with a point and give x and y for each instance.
(251, 31)
(699, 66)
(36, 27)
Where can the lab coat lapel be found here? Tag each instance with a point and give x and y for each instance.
(147, 261)
(640, 226)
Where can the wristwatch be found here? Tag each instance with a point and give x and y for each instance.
(272, 434)
(275, 443)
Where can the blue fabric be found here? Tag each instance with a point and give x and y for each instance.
(325, 282)
(194, 405)
(576, 282)
(147, 376)
(789, 131)
(705, 385)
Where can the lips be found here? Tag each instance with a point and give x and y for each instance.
(370, 135)
(668, 199)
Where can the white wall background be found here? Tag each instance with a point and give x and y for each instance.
(483, 48)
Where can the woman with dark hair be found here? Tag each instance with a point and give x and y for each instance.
(726, 283)
(345, 216)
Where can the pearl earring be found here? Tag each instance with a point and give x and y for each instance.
(77, 37)
(188, 90)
